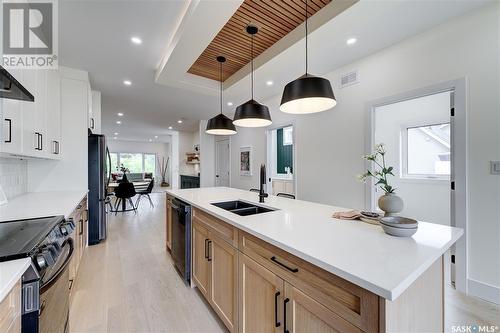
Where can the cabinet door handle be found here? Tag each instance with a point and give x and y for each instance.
(293, 270)
(209, 258)
(41, 141)
(206, 251)
(92, 123)
(285, 302)
(37, 137)
(9, 140)
(276, 322)
(81, 227)
(58, 149)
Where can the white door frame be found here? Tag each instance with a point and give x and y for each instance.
(269, 157)
(459, 151)
(217, 139)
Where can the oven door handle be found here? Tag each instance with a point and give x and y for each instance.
(54, 278)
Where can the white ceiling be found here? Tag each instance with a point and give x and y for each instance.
(95, 36)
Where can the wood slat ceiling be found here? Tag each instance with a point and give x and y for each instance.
(274, 18)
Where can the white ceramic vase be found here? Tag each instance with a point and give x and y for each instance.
(391, 204)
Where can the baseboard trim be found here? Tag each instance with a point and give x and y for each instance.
(483, 290)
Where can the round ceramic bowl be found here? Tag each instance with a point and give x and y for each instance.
(399, 222)
(399, 232)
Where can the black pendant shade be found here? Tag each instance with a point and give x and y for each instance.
(252, 113)
(220, 124)
(307, 94)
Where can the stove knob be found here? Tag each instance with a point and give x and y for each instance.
(64, 230)
(40, 261)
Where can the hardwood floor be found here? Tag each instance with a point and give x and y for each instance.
(129, 284)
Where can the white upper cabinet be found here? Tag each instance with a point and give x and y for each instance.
(33, 129)
(11, 141)
(53, 114)
(96, 112)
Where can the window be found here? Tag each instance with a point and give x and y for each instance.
(115, 166)
(281, 152)
(426, 151)
(150, 163)
(135, 162)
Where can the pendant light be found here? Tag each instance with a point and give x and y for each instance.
(308, 93)
(252, 113)
(220, 124)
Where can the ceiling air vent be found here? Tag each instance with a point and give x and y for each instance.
(348, 79)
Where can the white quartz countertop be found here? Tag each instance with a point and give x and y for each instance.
(358, 252)
(10, 273)
(41, 204)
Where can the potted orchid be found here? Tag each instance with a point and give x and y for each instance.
(390, 203)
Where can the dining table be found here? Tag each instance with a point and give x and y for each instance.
(141, 184)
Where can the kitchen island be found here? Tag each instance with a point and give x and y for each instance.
(349, 275)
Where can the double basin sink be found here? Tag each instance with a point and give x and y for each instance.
(242, 208)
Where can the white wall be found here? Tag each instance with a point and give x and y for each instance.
(434, 195)
(160, 149)
(330, 144)
(186, 143)
(256, 138)
(207, 156)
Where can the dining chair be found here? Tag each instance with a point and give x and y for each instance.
(123, 193)
(146, 192)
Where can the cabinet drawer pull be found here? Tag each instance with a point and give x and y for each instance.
(284, 314)
(9, 140)
(206, 250)
(276, 322)
(81, 227)
(37, 138)
(293, 270)
(209, 258)
(41, 141)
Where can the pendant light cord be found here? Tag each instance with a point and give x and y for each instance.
(307, 10)
(251, 55)
(221, 87)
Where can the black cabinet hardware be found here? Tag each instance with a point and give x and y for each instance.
(9, 140)
(37, 146)
(92, 124)
(41, 141)
(293, 270)
(58, 150)
(276, 322)
(209, 257)
(56, 147)
(81, 227)
(285, 302)
(206, 248)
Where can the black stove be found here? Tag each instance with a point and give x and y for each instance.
(47, 242)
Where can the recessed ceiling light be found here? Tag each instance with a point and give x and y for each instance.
(114, 137)
(156, 136)
(127, 82)
(169, 127)
(116, 133)
(351, 41)
(120, 114)
(150, 140)
(118, 122)
(136, 40)
(269, 83)
(179, 121)
(229, 103)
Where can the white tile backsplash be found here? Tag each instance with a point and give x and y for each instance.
(13, 176)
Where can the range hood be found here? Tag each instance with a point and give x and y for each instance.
(12, 89)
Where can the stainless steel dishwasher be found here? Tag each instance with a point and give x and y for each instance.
(181, 238)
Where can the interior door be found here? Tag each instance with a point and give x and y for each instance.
(222, 163)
